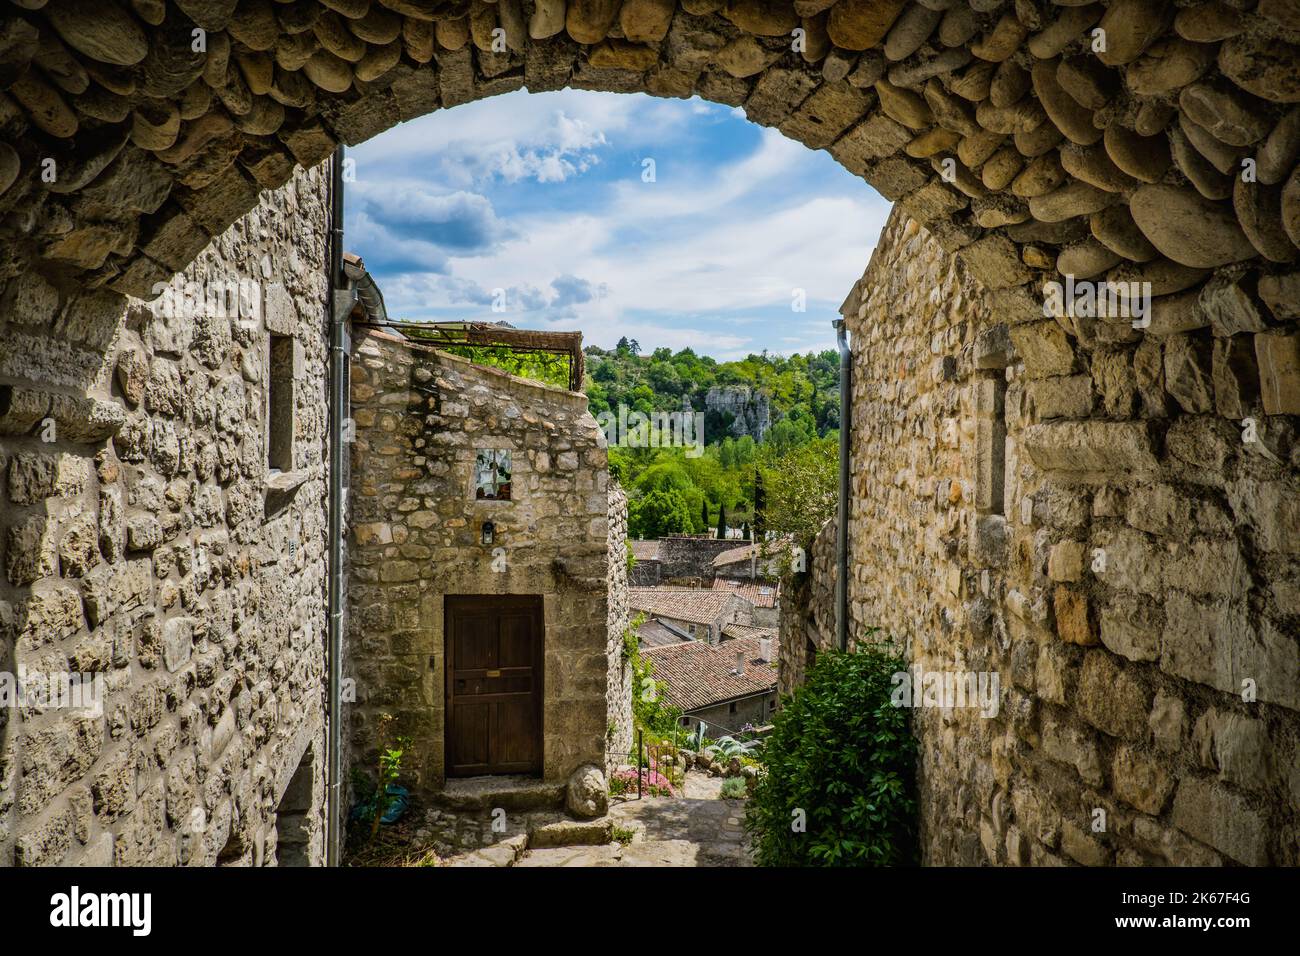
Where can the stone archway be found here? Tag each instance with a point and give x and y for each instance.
(138, 133)
(1016, 133)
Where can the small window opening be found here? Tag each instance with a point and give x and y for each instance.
(280, 389)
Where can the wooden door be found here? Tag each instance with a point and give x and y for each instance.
(494, 684)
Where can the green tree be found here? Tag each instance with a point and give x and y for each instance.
(722, 521)
(801, 490)
(659, 513)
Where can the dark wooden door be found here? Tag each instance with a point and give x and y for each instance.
(494, 684)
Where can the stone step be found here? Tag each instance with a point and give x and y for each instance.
(509, 793)
(506, 853)
(569, 832)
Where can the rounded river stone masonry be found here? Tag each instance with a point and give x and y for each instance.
(1162, 149)
(1142, 140)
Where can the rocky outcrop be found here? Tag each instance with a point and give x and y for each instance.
(749, 410)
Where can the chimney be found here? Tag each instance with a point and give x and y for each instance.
(740, 663)
(765, 648)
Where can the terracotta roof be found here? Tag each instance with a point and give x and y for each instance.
(759, 595)
(645, 550)
(748, 630)
(735, 555)
(656, 634)
(695, 674)
(696, 605)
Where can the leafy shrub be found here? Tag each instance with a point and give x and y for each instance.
(651, 713)
(844, 755)
(725, 748)
(733, 788)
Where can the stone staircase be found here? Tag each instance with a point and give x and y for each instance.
(536, 818)
(544, 831)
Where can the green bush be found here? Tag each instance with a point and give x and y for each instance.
(733, 788)
(844, 755)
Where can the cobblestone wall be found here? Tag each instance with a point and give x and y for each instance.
(414, 537)
(1125, 562)
(807, 615)
(144, 543)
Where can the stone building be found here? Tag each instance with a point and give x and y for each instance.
(169, 538)
(763, 596)
(646, 568)
(487, 623)
(1128, 560)
(1088, 522)
(728, 686)
(703, 614)
(687, 559)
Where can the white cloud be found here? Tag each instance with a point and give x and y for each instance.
(707, 257)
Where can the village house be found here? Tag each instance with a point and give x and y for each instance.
(731, 687)
(487, 564)
(700, 613)
(646, 568)
(764, 596)
(752, 562)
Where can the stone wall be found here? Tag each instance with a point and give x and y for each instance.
(1066, 513)
(683, 556)
(807, 611)
(142, 542)
(414, 538)
(618, 686)
(722, 720)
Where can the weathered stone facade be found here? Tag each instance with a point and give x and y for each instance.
(688, 559)
(618, 681)
(144, 543)
(1128, 567)
(415, 538)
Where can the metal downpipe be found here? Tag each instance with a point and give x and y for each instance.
(338, 408)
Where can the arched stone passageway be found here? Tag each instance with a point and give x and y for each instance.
(1033, 137)
(1161, 150)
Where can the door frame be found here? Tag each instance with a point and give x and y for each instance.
(452, 604)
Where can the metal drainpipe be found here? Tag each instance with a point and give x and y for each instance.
(842, 529)
(340, 306)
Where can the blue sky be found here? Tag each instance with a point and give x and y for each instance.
(542, 196)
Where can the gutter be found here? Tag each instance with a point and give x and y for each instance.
(842, 517)
(367, 290)
(342, 299)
